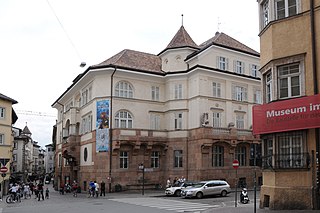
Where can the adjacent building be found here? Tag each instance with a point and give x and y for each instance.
(7, 118)
(184, 112)
(288, 121)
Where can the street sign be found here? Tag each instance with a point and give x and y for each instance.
(235, 164)
(3, 169)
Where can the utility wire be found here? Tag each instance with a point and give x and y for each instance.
(28, 112)
(64, 30)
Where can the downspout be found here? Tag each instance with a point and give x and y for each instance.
(315, 90)
(110, 129)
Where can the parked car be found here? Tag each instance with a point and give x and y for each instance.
(205, 188)
(176, 189)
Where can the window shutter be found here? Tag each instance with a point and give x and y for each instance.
(234, 95)
(218, 62)
(234, 66)
(227, 64)
(245, 94)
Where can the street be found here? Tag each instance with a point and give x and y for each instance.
(133, 202)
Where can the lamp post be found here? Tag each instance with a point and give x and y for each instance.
(141, 167)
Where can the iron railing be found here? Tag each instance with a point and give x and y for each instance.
(286, 161)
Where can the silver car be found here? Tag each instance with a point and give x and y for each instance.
(204, 188)
(176, 188)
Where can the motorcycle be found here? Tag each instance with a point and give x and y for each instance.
(244, 198)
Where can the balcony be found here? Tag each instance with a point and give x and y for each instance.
(286, 161)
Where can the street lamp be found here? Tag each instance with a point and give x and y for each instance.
(141, 167)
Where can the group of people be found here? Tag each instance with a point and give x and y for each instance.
(94, 189)
(25, 190)
(175, 181)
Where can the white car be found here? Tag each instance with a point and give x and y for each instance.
(175, 190)
(204, 188)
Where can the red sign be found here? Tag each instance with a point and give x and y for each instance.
(287, 115)
(235, 164)
(3, 169)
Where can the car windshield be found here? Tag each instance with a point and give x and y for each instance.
(198, 185)
(178, 184)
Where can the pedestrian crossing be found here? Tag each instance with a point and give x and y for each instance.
(170, 205)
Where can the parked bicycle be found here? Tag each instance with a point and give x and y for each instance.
(12, 198)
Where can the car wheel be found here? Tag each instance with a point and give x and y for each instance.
(177, 193)
(199, 195)
(223, 193)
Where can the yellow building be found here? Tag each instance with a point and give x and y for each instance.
(7, 118)
(288, 120)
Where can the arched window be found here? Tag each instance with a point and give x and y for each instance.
(123, 119)
(123, 89)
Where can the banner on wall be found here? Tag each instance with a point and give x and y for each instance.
(102, 126)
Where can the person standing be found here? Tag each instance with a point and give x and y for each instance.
(47, 193)
(40, 191)
(96, 188)
(103, 188)
(168, 183)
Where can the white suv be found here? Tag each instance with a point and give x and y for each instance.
(176, 188)
(204, 188)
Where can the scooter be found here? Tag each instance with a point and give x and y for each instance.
(244, 198)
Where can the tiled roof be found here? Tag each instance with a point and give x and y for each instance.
(182, 39)
(8, 99)
(227, 41)
(26, 131)
(134, 60)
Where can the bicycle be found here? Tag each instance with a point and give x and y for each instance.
(12, 198)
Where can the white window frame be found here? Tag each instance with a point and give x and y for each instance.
(239, 93)
(254, 70)
(124, 160)
(240, 121)
(268, 78)
(216, 89)
(216, 119)
(289, 79)
(155, 159)
(123, 119)
(222, 63)
(155, 121)
(239, 67)
(124, 89)
(178, 120)
(257, 97)
(86, 124)
(2, 113)
(286, 8)
(178, 91)
(178, 158)
(265, 13)
(2, 139)
(155, 93)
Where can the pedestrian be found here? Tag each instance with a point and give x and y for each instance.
(168, 183)
(103, 188)
(40, 191)
(92, 189)
(47, 193)
(74, 188)
(96, 188)
(61, 188)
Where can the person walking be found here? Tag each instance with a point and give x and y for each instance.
(103, 189)
(96, 188)
(47, 193)
(40, 191)
(74, 188)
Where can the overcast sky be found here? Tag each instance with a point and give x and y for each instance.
(43, 42)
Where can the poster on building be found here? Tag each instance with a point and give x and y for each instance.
(102, 126)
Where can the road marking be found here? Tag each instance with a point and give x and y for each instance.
(170, 205)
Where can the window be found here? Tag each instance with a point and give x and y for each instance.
(268, 87)
(222, 63)
(155, 159)
(85, 95)
(155, 121)
(241, 153)
(86, 125)
(2, 112)
(1, 139)
(123, 89)
(217, 156)
(123, 119)
(239, 93)
(178, 121)
(124, 161)
(285, 8)
(178, 158)
(254, 70)
(155, 93)
(290, 150)
(265, 12)
(216, 89)
(178, 91)
(257, 97)
(216, 119)
(240, 121)
(289, 80)
(239, 67)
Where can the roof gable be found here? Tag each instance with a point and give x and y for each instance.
(6, 98)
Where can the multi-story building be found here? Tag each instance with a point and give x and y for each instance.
(288, 121)
(7, 118)
(49, 159)
(184, 112)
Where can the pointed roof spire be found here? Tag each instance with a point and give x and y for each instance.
(181, 19)
(26, 130)
(182, 39)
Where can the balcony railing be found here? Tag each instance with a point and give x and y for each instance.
(286, 161)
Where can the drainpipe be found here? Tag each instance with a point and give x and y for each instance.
(110, 130)
(315, 90)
